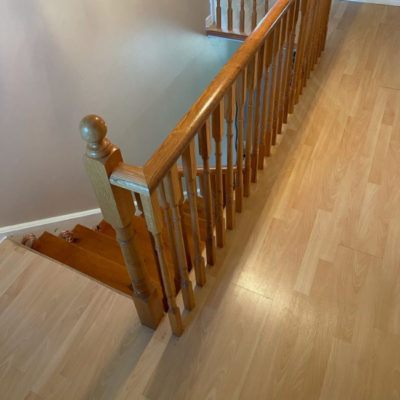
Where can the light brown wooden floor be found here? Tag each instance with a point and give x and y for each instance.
(305, 303)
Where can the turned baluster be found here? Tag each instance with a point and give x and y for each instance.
(230, 16)
(275, 38)
(173, 196)
(254, 15)
(307, 45)
(230, 110)
(276, 118)
(264, 150)
(154, 221)
(219, 14)
(290, 64)
(257, 124)
(296, 81)
(189, 171)
(317, 28)
(284, 66)
(277, 72)
(205, 152)
(266, 7)
(185, 234)
(217, 133)
(170, 232)
(242, 17)
(326, 20)
(315, 35)
(252, 77)
(324, 24)
(241, 100)
(117, 206)
(310, 42)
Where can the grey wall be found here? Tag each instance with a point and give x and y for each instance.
(139, 64)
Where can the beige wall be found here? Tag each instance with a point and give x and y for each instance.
(138, 64)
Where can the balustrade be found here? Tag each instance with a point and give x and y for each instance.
(235, 123)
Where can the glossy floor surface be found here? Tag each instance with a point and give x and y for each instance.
(305, 301)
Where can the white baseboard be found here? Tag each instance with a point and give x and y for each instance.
(382, 2)
(53, 225)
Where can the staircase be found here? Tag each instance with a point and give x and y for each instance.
(171, 215)
(97, 253)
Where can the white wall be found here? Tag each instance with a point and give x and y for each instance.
(139, 64)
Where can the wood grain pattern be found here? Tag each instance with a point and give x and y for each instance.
(171, 149)
(255, 336)
(204, 139)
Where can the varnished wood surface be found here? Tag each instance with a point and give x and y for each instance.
(172, 147)
(304, 302)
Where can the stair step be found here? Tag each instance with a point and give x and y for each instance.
(89, 263)
(145, 247)
(98, 243)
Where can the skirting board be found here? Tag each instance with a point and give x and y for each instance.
(381, 2)
(53, 225)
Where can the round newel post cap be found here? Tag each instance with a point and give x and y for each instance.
(93, 130)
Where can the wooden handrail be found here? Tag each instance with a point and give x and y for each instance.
(172, 147)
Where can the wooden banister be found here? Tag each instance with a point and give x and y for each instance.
(175, 143)
(236, 121)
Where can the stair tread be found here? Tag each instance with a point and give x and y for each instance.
(108, 272)
(98, 243)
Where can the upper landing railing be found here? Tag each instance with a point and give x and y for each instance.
(236, 119)
(236, 19)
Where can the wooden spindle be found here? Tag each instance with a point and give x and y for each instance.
(241, 101)
(315, 35)
(189, 171)
(170, 233)
(173, 197)
(290, 64)
(274, 73)
(318, 20)
(257, 123)
(219, 14)
(264, 150)
(326, 20)
(205, 152)
(296, 81)
(230, 16)
(305, 66)
(118, 209)
(266, 7)
(276, 119)
(242, 17)
(284, 67)
(254, 15)
(154, 221)
(217, 133)
(278, 81)
(185, 233)
(252, 77)
(230, 110)
(310, 37)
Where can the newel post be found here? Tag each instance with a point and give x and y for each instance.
(117, 207)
